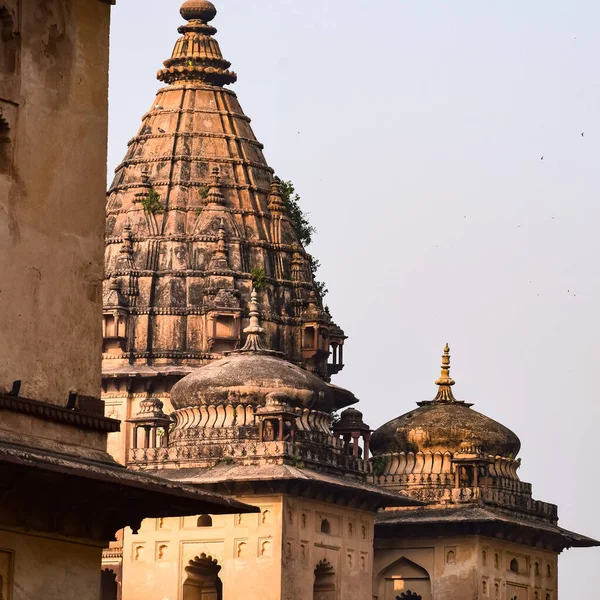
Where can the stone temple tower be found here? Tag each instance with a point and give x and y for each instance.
(195, 221)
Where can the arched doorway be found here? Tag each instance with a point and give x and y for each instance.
(202, 581)
(325, 587)
(109, 587)
(403, 580)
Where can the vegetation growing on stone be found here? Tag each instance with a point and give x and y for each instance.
(304, 229)
(378, 463)
(203, 191)
(291, 199)
(151, 203)
(258, 277)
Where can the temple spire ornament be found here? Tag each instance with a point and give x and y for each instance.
(254, 330)
(445, 382)
(215, 196)
(197, 55)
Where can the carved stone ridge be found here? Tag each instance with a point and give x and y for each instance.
(51, 412)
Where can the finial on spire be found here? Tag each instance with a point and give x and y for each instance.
(254, 330)
(215, 196)
(445, 382)
(127, 246)
(198, 10)
(276, 203)
(197, 56)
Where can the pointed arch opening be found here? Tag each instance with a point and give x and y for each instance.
(403, 580)
(202, 579)
(325, 586)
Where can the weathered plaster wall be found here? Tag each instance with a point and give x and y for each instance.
(28, 567)
(52, 195)
(463, 568)
(347, 548)
(536, 578)
(271, 555)
(247, 547)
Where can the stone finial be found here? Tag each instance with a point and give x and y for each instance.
(276, 203)
(197, 56)
(220, 261)
(215, 196)
(127, 246)
(445, 382)
(254, 330)
(198, 10)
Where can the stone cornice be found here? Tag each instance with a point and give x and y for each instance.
(58, 414)
(196, 134)
(192, 159)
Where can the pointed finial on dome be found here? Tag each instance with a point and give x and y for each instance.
(445, 382)
(254, 330)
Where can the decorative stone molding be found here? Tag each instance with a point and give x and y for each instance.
(57, 414)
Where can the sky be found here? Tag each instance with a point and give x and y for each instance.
(447, 155)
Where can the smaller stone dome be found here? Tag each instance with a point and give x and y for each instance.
(445, 425)
(198, 10)
(351, 419)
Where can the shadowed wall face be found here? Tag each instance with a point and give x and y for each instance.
(53, 127)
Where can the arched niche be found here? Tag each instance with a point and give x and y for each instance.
(403, 577)
(202, 580)
(204, 521)
(325, 585)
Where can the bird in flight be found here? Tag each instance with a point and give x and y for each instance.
(583, 134)
(542, 158)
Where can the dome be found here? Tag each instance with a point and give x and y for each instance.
(253, 375)
(445, 425)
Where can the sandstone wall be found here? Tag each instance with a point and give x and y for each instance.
(272, 555)
(463, 568)
(53, 129)
(28, 568)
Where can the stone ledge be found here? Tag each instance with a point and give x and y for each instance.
(58, 414)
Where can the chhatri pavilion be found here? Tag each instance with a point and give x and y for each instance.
(218, 357)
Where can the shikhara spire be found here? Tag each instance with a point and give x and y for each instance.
(216, 228)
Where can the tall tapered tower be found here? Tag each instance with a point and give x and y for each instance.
(195, 220)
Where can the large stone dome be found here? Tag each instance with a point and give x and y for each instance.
(252, 377)
(445, 425)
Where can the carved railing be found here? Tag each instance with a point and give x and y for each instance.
(247, 452)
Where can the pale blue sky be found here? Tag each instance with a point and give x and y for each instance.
(414, 132)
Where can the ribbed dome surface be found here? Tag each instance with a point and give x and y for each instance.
(252, 377)
(444, 426)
